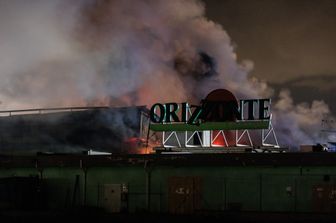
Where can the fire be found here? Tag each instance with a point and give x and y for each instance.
(138, 146)
(220, 141)
(145, 150)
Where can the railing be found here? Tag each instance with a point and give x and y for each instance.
(47, 110)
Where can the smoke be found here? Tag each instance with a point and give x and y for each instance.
(298, 124)
(61, 53)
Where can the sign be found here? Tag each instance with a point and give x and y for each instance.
(212, 113)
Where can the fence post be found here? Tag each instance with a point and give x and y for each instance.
(260, 193)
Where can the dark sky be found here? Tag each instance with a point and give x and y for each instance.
(291, 42)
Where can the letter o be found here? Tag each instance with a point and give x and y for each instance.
(157, 118)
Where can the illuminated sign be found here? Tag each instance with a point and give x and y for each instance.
(213, 113)
(166, 113)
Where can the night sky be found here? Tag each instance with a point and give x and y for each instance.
(291, 43)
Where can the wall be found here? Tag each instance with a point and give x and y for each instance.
(196, 188)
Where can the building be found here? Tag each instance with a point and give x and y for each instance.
(202, 179)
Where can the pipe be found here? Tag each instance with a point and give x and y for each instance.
(85, 185)
(148, 185)
(260, 193)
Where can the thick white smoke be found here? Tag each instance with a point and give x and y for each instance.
(61, 53)
(298, 124)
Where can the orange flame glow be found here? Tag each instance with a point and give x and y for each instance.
(138, 146)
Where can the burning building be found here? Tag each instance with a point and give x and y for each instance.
(130, 130)
(144, 52)
(72, 130)
(175, 183)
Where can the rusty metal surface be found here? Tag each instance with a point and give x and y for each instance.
(184, 194)
(324, 198)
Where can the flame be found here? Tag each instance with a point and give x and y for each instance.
(138, 146)
(220, 141)
(145, 150)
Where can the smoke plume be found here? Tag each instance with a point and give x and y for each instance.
(96, 52)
